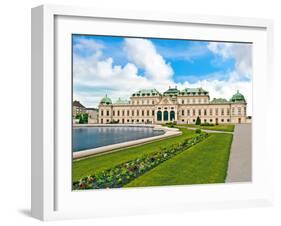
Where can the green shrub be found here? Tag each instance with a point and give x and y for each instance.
(198, 121)
(171, 124)
(198, 131)
(83, 118)
(207, 124)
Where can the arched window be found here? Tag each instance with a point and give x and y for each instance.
(172, 116)
(166, 116)
(159, 116)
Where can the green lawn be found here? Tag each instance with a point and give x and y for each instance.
(220, 127)
(206, 162)
(89, 166)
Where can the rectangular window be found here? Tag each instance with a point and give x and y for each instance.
(133, 113)
(113, 113)
(194, 112)
(205, 112)
(147, 113)
(182, 101)
(228, 111)
(182, 112)
(239, 111)
(107, 113)
(128, 113)
(233, 111)
(222, 111)
(118, 113)
(123, 113)
(199, 112)
(137, 112)
(142, 112)
(211, 111)
(188, 112)
(217, 111)
(101, 112)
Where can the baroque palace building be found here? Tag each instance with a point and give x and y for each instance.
(151, 106)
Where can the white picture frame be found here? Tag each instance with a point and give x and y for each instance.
(52, 199)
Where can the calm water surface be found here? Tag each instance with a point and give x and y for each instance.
(93, 137)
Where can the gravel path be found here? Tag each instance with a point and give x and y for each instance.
(240, 161)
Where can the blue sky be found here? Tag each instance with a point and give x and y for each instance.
(135, 63)
(187, 65)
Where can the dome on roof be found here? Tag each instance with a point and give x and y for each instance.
(237, 97)
(106, 100)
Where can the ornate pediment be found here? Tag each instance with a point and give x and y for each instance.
(166, 101)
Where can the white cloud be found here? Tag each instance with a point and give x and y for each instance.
(88, 45)
(242, 53)
(143, 53)
(95, 76)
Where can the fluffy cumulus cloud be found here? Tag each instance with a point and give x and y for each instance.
(143, 53)
(240, 52)
(96, 75)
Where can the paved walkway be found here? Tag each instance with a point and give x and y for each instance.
(240, 161)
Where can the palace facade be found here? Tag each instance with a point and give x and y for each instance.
(183, 107)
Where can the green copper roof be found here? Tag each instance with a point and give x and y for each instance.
(219, 101)
(106, 100)
(194, 91)
(147, 92)
(237, 97)
(120, 101)
(171, 92)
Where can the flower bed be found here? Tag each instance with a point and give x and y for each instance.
(124, 173)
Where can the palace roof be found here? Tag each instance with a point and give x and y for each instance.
(147, 92)
(195, 91)
(120, 101)
(219, 101)
(238, 97)
(171, 92)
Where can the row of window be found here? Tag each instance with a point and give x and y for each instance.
(127, 121)
(188, 112)
(199, 112)
(128, 113)
(149, 121)
(181, 101)
(137, 102)
(193, 101)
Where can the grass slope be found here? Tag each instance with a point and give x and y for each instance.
(89, 166)
(221, 127)
(204, 163)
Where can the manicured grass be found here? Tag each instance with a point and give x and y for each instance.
(204, 163)
(220, 127)
(92, 165)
